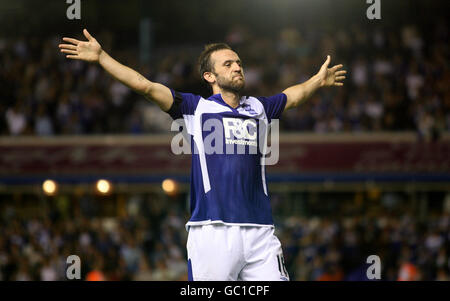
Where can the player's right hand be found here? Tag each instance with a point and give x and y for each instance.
(78, 50)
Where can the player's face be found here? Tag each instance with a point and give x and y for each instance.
(228, 70)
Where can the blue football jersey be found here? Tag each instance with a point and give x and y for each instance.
(228, 182)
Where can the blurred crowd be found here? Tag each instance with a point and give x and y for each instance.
(143, 238)
(409, 247)
(144, 243)
(398, 79)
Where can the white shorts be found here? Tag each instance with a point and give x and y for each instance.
(218, 252)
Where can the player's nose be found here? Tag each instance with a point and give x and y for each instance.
(237, 68)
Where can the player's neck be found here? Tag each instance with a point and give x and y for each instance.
(231, 98)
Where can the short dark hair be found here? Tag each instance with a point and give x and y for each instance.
(204, 61)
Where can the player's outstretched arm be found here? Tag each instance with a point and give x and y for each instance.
(91, 51)
(326, 77)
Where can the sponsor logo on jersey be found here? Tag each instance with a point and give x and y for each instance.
(240, 132)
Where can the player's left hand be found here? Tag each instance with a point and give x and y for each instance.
(331, 76)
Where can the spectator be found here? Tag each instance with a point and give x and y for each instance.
(401, 83)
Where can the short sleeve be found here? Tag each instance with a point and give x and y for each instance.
(183, 104)
(274, 105)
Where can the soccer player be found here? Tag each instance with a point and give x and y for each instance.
(231, 231)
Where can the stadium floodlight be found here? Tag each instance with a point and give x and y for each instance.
(103, 186)
(170, 187)
(49, 187)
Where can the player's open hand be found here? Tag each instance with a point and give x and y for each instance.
(331, 76)
(78, 50)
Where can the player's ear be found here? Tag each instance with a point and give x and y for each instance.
(209, 77)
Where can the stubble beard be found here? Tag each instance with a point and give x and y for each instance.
(234, 86)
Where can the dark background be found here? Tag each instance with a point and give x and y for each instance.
(327, 227)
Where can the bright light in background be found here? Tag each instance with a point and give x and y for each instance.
(170, 187)
(49, 187)
(103, 186)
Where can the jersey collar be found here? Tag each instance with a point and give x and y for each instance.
(218, 99)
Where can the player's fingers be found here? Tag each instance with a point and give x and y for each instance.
(337, 67)
(340, 78)
(338, 84)
(69, 51)
(327, 62)
(342, 72)
(73, 57)
(68, 46)
(73, 41)
(87, 35)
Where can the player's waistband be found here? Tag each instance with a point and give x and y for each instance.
(220, 222)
